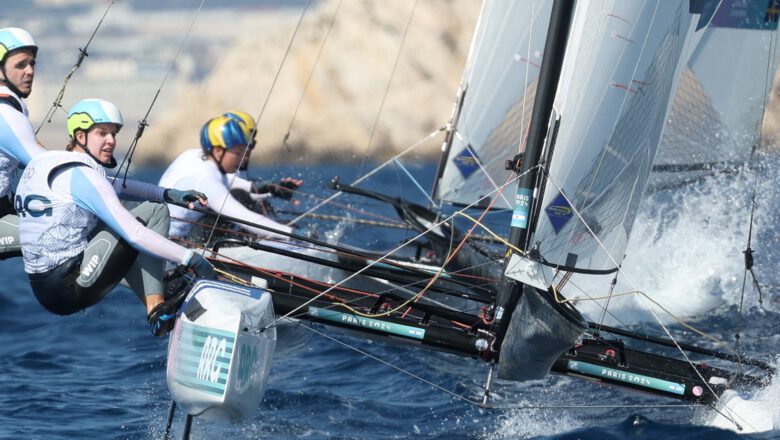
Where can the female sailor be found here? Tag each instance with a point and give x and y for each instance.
(77, 239)
(17, 136)
(225, 144)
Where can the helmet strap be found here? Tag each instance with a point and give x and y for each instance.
(219, 162)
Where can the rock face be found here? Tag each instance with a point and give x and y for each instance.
(361, 78)
(771, 127)
(360, 83)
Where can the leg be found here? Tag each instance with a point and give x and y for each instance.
(106, 260)
(147, 274)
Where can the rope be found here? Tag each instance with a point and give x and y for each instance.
(387, 86)
(311, 75)
(262, 108)
(383, 257)
(143, 124)
(367, 175)
(82, 54)
(754, 205)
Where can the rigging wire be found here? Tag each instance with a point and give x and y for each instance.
(391, 252)
(748, 252)
(263, 107)
(413, 180)
(308, 80)
(57, 103)
(387, 86)
(367, 175)
(142, 124)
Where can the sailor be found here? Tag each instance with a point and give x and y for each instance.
(253, 193)
(225, 144)
(77, 239)
(17, 136)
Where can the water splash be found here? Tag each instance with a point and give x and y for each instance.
(687, 247)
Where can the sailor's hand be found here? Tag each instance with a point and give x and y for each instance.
(286, 187)
(162, 318)
(186, 199)
(201, 266)
(283, 189)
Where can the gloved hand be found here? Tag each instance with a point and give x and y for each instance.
(186, 199)
(163, 316)
(283, 189)
(201, 266)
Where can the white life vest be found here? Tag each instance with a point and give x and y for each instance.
(9, 166)
(190, 171)
(52, 228)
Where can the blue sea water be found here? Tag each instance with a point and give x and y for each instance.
(100, 374)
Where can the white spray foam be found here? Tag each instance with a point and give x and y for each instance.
(686, 251)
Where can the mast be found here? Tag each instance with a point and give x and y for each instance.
(520, 231)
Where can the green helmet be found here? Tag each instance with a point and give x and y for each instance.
(89, 112)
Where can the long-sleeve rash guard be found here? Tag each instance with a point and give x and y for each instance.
(191, 171)
(60, 197)
(17, 139)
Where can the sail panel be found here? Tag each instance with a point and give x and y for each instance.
(622, 65)
(499, 83)
(716, 116)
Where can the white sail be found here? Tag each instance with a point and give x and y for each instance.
(716, 116)
(622, 64)
(499, 86)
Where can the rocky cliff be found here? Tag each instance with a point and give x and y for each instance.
(356, 80)
(359, 77)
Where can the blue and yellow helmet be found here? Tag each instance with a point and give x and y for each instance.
(89, 112)
(13, 38)
(226, 132)
(247, 119)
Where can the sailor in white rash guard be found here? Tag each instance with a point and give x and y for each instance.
(224, 143)
(17, 136)
(78, 241)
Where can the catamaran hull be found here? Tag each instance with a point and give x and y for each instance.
(220, 351)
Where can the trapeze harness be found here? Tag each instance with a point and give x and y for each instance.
(17, 147)
(77, 239)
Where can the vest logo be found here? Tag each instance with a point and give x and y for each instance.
(33, 204)
(92, 264)
(6, 241)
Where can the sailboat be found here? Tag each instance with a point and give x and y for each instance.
(574, 168)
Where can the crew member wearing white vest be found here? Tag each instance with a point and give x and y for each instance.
(17, 136)
(225, 141)
(78, 241)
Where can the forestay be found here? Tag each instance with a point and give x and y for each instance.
(499, 83)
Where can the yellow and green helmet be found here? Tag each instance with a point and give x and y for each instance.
(89, 112)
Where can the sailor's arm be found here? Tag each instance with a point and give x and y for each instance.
(222, 201)
(94, 193)
(140, 191)
(17, 135)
